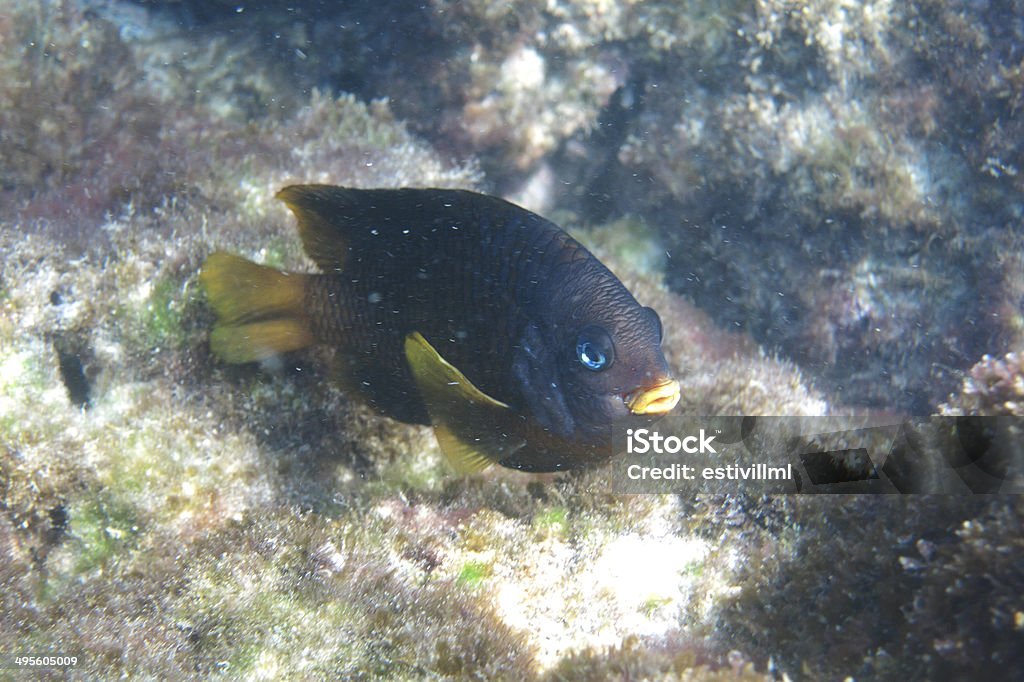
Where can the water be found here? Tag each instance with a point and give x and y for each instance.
(823, 203)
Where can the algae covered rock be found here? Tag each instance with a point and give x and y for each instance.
(165, 515)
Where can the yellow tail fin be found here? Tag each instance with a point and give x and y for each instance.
(259, 309)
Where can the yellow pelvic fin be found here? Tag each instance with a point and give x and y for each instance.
(259, 309)
(322, 221)
(468, 423)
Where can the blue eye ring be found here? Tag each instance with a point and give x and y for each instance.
(590, 357)
(594, 349)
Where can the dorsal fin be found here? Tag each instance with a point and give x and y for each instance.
(325, 217)
(332, 220)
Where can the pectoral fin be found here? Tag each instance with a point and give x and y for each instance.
(468, 423)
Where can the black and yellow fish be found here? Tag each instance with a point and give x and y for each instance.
(459, 310)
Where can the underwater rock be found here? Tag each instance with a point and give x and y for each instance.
(198, 519)
(993, 388)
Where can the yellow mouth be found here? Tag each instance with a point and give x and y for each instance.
(657, 400)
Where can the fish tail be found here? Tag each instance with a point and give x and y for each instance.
(260, 310)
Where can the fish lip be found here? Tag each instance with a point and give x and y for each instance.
(657, 399)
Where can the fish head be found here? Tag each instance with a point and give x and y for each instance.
(614, 367)
(593, 357)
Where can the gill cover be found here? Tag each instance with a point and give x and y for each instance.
(535, 367)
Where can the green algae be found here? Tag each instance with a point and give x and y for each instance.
(473, 573)
(552, 521)
(104, 528)
(157, 320)
(629, 240)
(278, 252)
(162, 322)
(652, 604)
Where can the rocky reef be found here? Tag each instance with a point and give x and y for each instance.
(822, 202)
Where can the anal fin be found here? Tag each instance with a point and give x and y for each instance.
(471, 427)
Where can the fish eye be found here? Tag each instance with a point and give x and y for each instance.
(653, 314)
(594, 349)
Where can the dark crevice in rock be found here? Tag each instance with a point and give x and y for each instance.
(73, 360)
